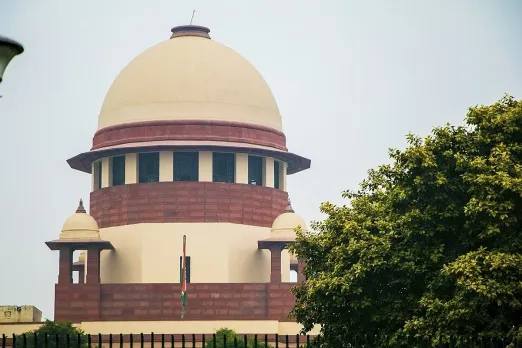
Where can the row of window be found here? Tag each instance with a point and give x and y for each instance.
(186, 168)
(181, 268)
(188, 269)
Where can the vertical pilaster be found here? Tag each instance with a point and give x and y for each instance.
(268, 172)
(131, 168)
(205, 166)
(95, 175)
(106, 172)
(283, 168)
(93, 266)
(241, 168)
(166, 166)
(65, 266)
(275, 264)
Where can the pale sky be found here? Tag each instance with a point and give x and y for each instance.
(351, 78)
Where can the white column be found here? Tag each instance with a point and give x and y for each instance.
(282, 172)
(268, 172)
(241, 168)
(166, 166)
(94, 175)
(131, 168)
(205, 166)
(106, 172)
(285, 266)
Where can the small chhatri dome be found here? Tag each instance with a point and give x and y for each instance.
(80, 225)
(190, 77)
(81, 258)
(285, 224)
(288, 221)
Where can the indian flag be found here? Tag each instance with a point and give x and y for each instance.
(184, 278)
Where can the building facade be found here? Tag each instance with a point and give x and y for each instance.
(189, 143)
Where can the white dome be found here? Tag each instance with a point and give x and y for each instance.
(80, 225)
(288, 221)
(190, 78)
(81, 258)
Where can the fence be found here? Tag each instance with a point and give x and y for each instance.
(155, 341)
(238, 341)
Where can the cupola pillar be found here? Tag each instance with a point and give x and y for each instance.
(300, 267)
(65, 265)
(93, 265)
(275, 263)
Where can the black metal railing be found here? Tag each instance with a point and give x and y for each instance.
(152, 340)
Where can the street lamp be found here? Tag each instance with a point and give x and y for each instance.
(8, 50)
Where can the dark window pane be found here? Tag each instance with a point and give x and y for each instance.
(181, 268)
(148, 167)
(118, 170)
(186, 166)
(223, 167)
(255, 170)
(276, 174)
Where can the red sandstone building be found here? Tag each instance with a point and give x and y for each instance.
(189, 142)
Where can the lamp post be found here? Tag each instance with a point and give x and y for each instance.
(8, 50)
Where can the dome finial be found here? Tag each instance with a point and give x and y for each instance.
(81, 209)
(190, 30)
(289, 208)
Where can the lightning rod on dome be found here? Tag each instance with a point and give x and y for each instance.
(193, 11)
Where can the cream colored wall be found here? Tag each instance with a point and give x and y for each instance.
(196, 327)
(20, 314)
(166, 171)
(122, 265)
(17, 329)
(220, 252)
(180, 327)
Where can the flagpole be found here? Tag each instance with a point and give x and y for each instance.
(184, 278)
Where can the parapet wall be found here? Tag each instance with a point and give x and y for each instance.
(185, 201)
(19, 314)
(162, 302)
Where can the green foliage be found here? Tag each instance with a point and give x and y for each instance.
(430, 245)
(230, 343)
(52, 330)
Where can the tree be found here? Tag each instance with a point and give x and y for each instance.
(233, 340)
(429, 245)
(56, 333)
